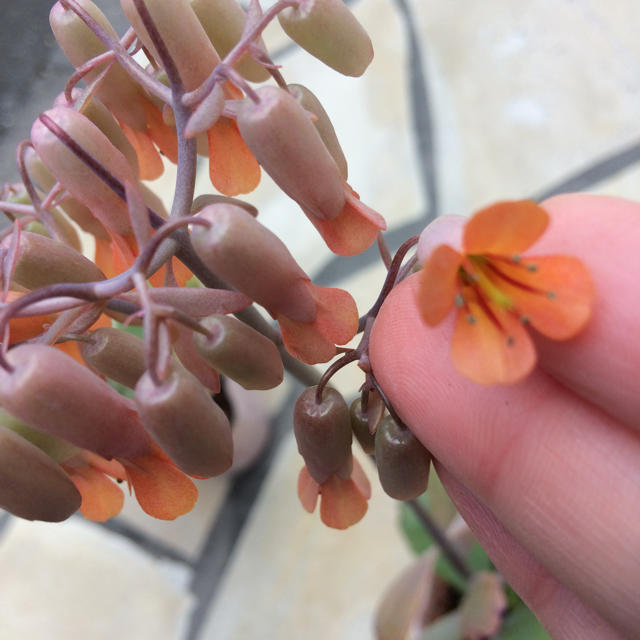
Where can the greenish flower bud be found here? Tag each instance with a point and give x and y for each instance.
(183, 419)
(403, 463)
(331, 33)
(42, 261)
(116, 354)
(323, 434)
(32, 485)
(240, 352)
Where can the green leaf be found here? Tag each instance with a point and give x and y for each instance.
(521, 624)
(477, 559)
(417, 536)
(446, 571)
(132, 328)
(121, 389)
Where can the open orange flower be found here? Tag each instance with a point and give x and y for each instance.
(498, 292)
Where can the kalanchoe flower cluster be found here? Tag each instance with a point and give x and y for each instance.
(65, 433)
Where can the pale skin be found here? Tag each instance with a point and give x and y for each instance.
(547, 471)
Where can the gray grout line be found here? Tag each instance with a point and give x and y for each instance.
(145, 542)
(421, 114)
(5, 518)
(231, 519)
(594, 173)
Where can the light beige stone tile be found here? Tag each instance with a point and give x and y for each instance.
(291, 577)
(526, 93)
(75, 581)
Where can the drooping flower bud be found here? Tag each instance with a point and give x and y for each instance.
(206, 114)
(80, 214)
(329, 32)
(183, 36)
(183, 419)
(42, 261)
(282, 137)
(116, 354)
(403, 463)
(254, 260)
(323, 124)
(75, 175)
(32, 485)
(224, 22)
(102, 118)
(240, 352)
(53, 393)
(323, 434)
(360, 427)
(117, 90)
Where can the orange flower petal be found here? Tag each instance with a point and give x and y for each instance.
(232, 168)
(353, 230)
(161, 133)
(101, 498)
(438, 284)
(308, 490)
(304, 342)
(149, 160)
(565, 294)
(342, 504)
(162, 490)
(505, 228)
(104, 257)
(360, 478)
(29, 326)
(337, 314)
(112, 467)
(489, 353)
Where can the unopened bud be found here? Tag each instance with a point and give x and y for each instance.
(117, 90)
(224, 22)
(323, 434)
(240, 352)
(360, 427)
(32, 485)
(329, 32)
(248, 256)
(184, 38)
(323, 124)
(80, 214)
(183, 419)
(75, 175)
(403, 463)
(116, 354)
(53, 393)
(42, 261)
(284, 141)
(213, 198)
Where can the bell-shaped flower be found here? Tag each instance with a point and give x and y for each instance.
(255, 261)
(498, 291)
(285, 142)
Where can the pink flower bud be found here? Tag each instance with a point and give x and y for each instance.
(281, 136)
(206, 114)
(224, 22)
(331, 33)
(254, 260)
(323, 434)
(117, 91)
(51, 392)
(323, 125)
(183, 35)
(32, 485)
(240, 353)
(183, 419)
(74, 209)
(403, 463)
(75, 175)
(42, 261)
(116, 354)
(360, 427)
